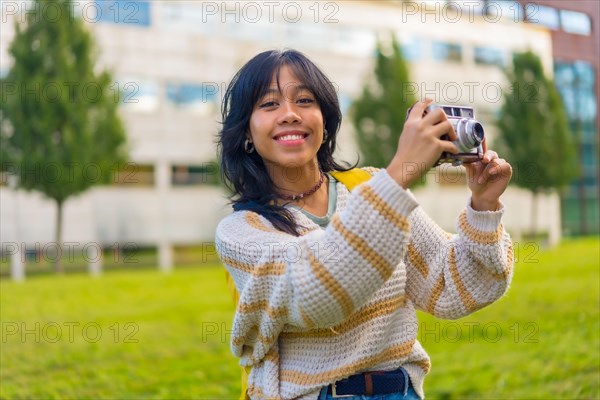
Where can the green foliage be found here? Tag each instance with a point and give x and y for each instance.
(534, 132)
(61, 133)
(178, 344)
(378, 115)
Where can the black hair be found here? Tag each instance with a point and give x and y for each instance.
(244, 173)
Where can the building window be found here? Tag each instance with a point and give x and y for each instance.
(575, 83)
(575, 22)
(353, 41)
(199, 98)
(489, 56)
(546, 16)
(187, 16)
(133, 174)
(411, 49)
(138, 94)
(187, 175)
(463, 7)
(446, 51)
(507, 9)
(130, 12)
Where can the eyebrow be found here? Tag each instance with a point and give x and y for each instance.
(296, 88)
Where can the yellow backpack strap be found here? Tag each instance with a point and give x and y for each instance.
(351, 178)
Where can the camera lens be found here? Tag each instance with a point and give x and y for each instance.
(478, 131)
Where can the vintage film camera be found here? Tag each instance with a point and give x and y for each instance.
(470, 133)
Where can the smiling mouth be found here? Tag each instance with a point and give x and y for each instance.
(291, 137)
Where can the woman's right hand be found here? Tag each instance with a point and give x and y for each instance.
(420, 145)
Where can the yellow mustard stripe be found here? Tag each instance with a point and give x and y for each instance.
(262, 305)
(253, 219)
(467, 299)
(302, 378)
(332, 285)
(256, 391)
(272, 355)
(424, 364)
(383, 208)
(417, 260)
(436, 292)
(475, 234)
(305, 318)
(510, 257)
(268, 268)
(264, 339)
(357, 319)
(360, 245)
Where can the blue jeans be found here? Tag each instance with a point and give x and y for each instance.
(409, 395)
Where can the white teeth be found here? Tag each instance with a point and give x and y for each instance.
(290, 137)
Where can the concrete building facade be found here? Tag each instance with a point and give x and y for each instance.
(173, 60)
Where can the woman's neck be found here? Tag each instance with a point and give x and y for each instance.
(293, 181)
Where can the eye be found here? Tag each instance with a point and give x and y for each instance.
(267, 104)
(306, 100)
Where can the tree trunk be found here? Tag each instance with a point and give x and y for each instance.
(58, 266)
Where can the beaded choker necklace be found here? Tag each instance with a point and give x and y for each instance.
(294, 197)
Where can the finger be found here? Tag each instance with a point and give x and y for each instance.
(493, 168)
(499, 172)
(500, 165)
(489, 155)
(439, 119)
(435, 116)
(473, 170)
(448, 146)
(418, 109)
(444, 128)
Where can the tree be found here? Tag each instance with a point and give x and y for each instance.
(61, 132)
(379, 114)
(533, 131)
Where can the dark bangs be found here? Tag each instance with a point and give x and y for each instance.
(253, 81)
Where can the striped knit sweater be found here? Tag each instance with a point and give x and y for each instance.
(331, 303)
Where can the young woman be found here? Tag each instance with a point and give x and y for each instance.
(329, 278)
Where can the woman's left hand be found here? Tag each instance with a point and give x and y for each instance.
(487, 180)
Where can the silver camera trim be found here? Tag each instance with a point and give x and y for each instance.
(476, 153)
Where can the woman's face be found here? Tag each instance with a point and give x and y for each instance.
(286, 126)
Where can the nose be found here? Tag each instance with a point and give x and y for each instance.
(289, 113)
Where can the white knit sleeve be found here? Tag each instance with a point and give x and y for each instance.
(315, 280)
(451, 276)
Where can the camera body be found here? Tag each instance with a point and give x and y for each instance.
(470, 134)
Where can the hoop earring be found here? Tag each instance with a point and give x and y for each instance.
(248, 146)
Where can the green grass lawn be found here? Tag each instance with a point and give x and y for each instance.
(147, 335)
